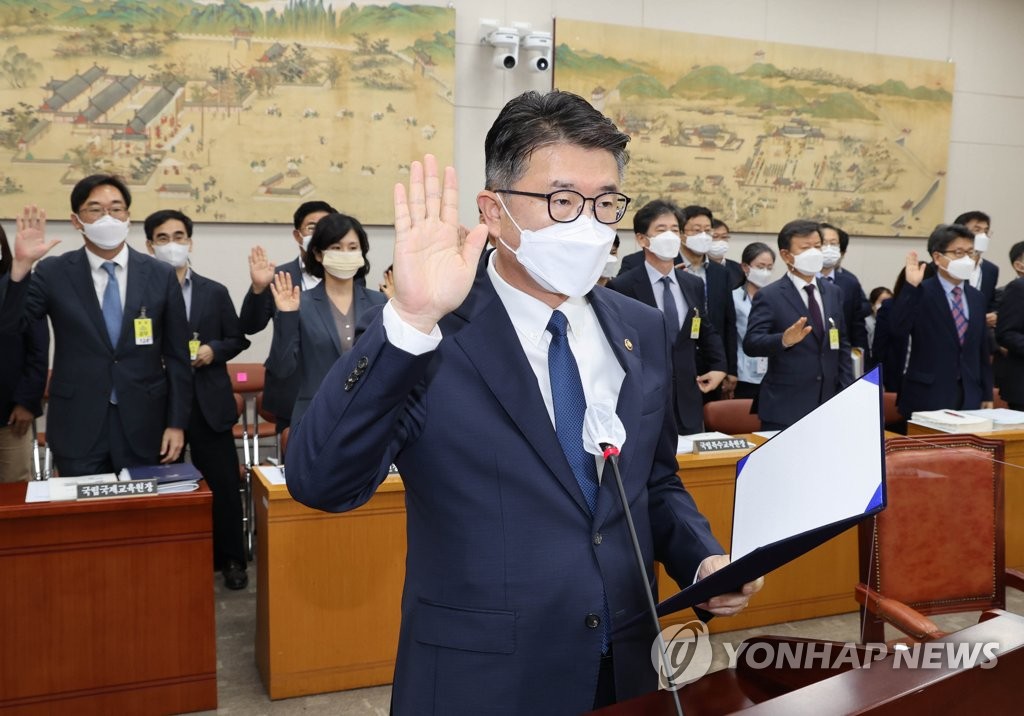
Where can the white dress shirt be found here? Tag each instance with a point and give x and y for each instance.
(600, 371)
(682, 308)
(100, 275)
(308, 280)
(800, 284)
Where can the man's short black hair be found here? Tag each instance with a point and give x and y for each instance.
(719, 224)
(650, 211)
(972, 216)
(844, 238)
(945, 234)
(799, 227)
(158, 218)
(310, 207)
(688, 212)
(1017, 252)
(80, 193)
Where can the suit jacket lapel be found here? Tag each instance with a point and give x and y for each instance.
(489, 334)
(322, 306)
(619, 334)
(134, 298)
(80, 276)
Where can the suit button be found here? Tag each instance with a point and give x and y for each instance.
(598, 538)
(363, 362)
(592, 621)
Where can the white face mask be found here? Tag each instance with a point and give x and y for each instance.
(665, 245)
(305, 241)
(961, 268)
(106, 232)
(760, 277)
(699, 243)
(809, 262)
(173, 253)
(981, 243)
(564, 258)
(831, 255)
(343, 264)
(718, 249)
(611, 267)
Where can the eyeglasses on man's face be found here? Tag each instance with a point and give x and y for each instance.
(164, 239)
(566, 205)
(960, 253)
(93, 213)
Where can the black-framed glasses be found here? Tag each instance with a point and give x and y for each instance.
(960, 253)
(566, 205)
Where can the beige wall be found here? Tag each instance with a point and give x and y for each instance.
(987, 143)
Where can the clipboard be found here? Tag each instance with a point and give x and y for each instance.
(809, 483)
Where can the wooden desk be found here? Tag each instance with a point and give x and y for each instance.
(817, 584)
(329, 588)
(106, 607)
(1013, 478)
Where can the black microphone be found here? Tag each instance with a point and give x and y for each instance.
(603, 434)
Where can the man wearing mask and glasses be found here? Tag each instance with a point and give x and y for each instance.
(475, 380)
(944, 316)
(121, 388)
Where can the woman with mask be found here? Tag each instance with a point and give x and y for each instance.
(758, 262)
(878, 294)
(309, 336)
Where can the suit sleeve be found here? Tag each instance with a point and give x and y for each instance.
(861, 309)
(286, 344)
(682, 535)
(761, 339)
(23, 302)
(904, 310)
(1010, 322)
(174, 347)
(257, 310)
(231, 341)
(729, 338)
(368, 406)
(711, 345)
(29, 391)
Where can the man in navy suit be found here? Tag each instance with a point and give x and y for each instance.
(944, 317)
(695, 226)
(679, 296)
(985, 276)
(121, 386)
(258, 304)
(214, 338)
(797, 322)
(834, 243)
(1009, 363)
(520, 578)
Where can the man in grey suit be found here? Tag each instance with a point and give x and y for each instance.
(121, 388)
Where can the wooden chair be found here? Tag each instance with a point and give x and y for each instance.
(732, 417)
(938, 546)
(284, 441)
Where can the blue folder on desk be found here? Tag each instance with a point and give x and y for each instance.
(811, 482)
(164, 474)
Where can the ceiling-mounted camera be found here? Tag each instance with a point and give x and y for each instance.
(505, 41)
(538, 47)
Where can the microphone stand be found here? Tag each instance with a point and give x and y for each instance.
(611, 455)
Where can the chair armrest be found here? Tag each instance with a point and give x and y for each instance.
(1015, 579)
(907, 619)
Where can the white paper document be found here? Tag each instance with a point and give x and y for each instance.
(274, 475)
(827, 467)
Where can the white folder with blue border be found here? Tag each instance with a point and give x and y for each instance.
(809, 483)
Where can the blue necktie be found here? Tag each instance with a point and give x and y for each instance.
(570, 406)
(671, 313)
(112, 312)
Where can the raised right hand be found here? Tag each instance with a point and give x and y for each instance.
(796, 333)
(286, 296)
(434, 267)
(261, 269)
(914, 271)
(30, 242)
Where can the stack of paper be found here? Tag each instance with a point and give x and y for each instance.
(951, 421)
(1002, 418)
